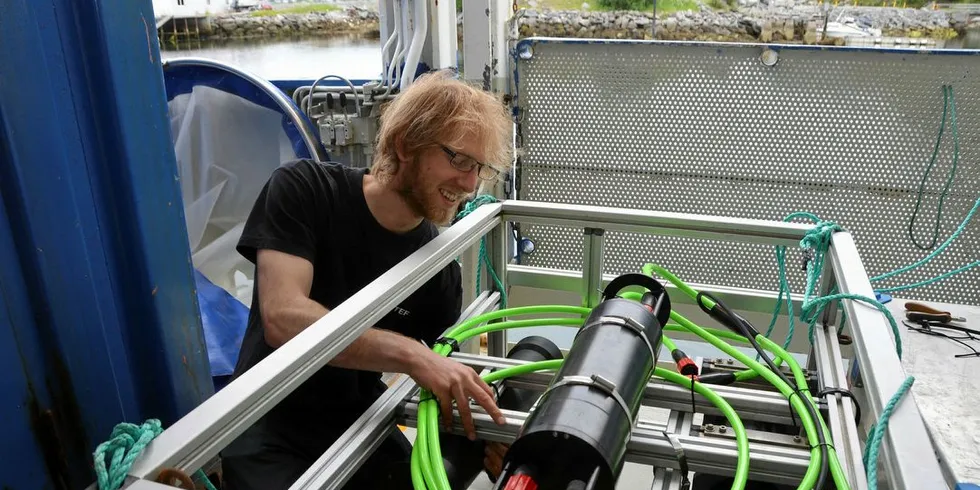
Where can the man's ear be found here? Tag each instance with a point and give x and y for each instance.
(400, 149)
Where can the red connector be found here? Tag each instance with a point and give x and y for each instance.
(685, 365)
(521, 482)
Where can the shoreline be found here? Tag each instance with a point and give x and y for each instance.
(785, 21)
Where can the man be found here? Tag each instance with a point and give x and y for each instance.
(318, 233)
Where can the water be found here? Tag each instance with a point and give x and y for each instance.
(294, 58)
(348, 56)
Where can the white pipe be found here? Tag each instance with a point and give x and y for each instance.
(396, 57)
(418, 40)
(385, 60)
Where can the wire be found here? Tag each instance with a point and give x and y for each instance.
(748, 331)
(357, 103)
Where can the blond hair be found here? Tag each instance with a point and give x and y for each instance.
(439, 109)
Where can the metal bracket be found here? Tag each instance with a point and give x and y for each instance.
(627, 323)
(595, 381)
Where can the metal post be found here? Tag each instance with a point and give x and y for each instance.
(468, 262)
(442, 41)
(497, 71)
(476, 43)
(909, 459)
(497, 251)
(592, 267)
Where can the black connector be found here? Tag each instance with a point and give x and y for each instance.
(717, 379)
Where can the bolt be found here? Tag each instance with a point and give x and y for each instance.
(797, 439)
(723, 429)
(731, 361)
(709, 428)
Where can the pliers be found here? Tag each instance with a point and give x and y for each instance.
(918, 312)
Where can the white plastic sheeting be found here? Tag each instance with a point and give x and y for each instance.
(226, 149)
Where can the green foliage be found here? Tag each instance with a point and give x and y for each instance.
(298, 9)
(663, 6)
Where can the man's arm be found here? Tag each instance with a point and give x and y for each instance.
(284, 283)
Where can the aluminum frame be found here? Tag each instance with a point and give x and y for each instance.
(201, 434)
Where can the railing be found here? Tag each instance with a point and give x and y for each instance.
(909, 456)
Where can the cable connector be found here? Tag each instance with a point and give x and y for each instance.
(685, 365)
(451, 342)
(717, 379)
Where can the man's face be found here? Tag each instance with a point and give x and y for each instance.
(433, 188)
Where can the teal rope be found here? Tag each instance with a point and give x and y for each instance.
(949, 103)
(873, 445)
(125, 444)
(931, 280)
(484, 258)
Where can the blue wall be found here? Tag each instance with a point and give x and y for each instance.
(99, 323)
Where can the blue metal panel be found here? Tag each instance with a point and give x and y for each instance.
(25, 402)
(89, 181)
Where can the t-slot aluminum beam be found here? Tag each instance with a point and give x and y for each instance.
(343, 458)
(751, 404)
(649, 446)
(201, 434)
(727, 229)
(909, 458)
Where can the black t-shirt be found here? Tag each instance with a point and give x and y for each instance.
(318, 212)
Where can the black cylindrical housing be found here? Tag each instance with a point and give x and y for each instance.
(575, 429)
(462, 457)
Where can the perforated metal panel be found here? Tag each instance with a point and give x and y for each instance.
(704, 128)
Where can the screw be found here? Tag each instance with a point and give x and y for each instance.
(731, 361)
(797, 439)
(709, 428)
(723, 429)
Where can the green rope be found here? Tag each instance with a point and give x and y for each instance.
(125, 444)
(484, 257)
(949, 103)
(873, 445)
(932, 280)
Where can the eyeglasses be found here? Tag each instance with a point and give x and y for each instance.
(465, 163)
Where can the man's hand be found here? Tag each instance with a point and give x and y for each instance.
(449, 380)
(493, 460)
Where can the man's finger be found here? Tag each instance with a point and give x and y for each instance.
(446, 406)
(463, 404)
(486, 401)
(497, 449)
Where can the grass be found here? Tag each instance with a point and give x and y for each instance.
(663, 6)
(297, 9)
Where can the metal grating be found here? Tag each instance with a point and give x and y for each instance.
(707, 128)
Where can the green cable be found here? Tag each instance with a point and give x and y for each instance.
(427, 467)
(418, 481)
(426, 460)
(835, 468)
(742, 443)
(809, 479)
(669, 344)
(819, 236)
